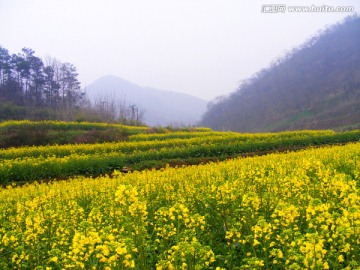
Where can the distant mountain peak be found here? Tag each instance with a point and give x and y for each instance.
(160, 107)
(114, 78)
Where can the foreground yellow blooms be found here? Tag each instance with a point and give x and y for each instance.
(281, 211)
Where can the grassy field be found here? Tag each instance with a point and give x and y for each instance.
(291, 210)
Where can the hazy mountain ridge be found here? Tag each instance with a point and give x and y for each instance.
(160, 107)
(316, 86)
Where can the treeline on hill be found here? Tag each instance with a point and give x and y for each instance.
(33, 89)
(315, 86)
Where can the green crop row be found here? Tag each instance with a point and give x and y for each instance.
(59, 125)
(180, 140)
(37, 168)
(121, 147)
(187, 135)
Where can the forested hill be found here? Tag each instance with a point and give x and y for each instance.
(315, 86)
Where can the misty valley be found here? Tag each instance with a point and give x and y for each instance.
(116, 175)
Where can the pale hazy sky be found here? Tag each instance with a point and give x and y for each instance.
(200, 47)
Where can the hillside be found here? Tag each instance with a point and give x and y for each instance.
(315, 86)
(160, 107)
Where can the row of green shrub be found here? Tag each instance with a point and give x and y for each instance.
(28, 169)
(200, 132)
(180, 139)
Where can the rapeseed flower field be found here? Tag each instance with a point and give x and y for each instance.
(296, 210)
(28, 163)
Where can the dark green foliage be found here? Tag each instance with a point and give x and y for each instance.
(26, 81)
(26, 133)
(9, 111)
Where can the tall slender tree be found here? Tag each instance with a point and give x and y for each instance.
(25, 80)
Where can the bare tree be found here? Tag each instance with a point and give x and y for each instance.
(110, 108)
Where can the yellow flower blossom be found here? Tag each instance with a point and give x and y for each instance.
(294, 210)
